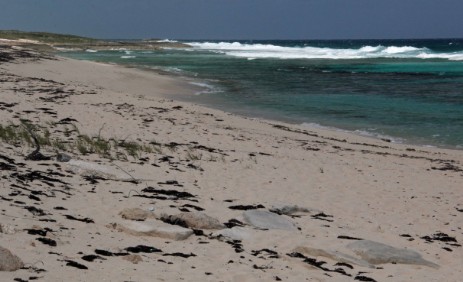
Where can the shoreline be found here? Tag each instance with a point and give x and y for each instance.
(141, 163)
(265, 114)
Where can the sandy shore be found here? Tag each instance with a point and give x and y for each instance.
(62, 219)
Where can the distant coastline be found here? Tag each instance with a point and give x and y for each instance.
(51, 41)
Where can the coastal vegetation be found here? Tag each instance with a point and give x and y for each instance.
(27, 134)
(45, 37)
(44, 40)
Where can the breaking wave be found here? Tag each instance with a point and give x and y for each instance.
(256, 51)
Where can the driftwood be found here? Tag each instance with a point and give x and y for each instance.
(35, 155)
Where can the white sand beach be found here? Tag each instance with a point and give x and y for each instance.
(62, 219)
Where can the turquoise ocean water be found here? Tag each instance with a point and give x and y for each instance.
(409, 91)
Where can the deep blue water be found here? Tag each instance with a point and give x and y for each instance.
(408, 90)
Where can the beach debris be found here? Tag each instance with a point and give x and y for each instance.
(35, 155)
(143, 249)
(67, 120)
(364, 278)
(35, 211)
(193, 207)
(447, 166)
(153, 228)
(109, 254)
(440, 237)
(317, 264)
(9, 261)
(323, 216)
(246, 207)
(288, 209)
(236, 244)
(40, 232)
(171, 182)
(267, 220)
(7, 159)
(161, 194)
(62, 157)
(233, 222)
(177, 254)
(172, 220)
(379, 253)
(91, 258)
(340, 257)
(86, 219)
(47, 241)
(195, 220)
(5, 166)
(96, 170)
(75, 264)
(38, 175)
(348, 237)
(443, 238)
(265, 253)
(135, 214)
(192, 166)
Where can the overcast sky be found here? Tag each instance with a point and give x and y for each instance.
(238, 19)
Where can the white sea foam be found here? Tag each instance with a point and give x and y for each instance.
(62, 49)
(206, 88)
(256, 51)
(367, 133)
(91, 51)
(167, 41)
(128, 57)
(376, 135)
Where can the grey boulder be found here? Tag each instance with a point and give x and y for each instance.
(8, 261)
(197, 220)
(153, 228)
(235, 233)
(379, 253)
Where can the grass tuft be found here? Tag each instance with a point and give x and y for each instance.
(20, 135)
